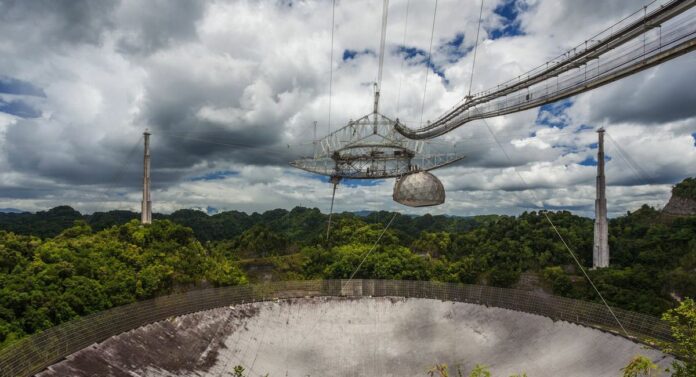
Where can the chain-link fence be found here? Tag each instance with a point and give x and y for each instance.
(35, 353)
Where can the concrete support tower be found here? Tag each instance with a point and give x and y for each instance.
(600, 256)
(146, 213)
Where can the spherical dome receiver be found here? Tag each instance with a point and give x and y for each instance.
(419, 189)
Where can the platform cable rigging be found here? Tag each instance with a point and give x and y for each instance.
(428, 62)
(641, 174)
(371, 250)
(473, 62)
(555, 229)
(333, 28)
(401, 68)
(121, 172)
(382, 43)
(334, 181)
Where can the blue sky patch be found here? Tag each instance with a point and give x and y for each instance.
(19, 108)
(411, 52)
(583, 127)
(454, 50)
(556, 110)
(589, 161)
(694, 136)
(509, 11)
(215, 175)
(351, 54)
(592, 160)
(11, 85)
(416, 56)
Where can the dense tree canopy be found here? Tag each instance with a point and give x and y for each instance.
(686, 189)
(58, 264)
(79, 271)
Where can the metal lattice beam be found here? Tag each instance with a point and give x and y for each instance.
(640, 41)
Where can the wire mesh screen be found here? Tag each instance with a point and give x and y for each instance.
(37, 352)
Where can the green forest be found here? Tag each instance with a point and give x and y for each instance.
(60, 264)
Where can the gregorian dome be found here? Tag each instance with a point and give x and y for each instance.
(419, 189)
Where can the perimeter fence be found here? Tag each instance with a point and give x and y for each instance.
(35, 353)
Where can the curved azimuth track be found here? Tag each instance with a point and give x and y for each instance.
(642, 40)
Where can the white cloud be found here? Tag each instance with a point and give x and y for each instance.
(236, 86)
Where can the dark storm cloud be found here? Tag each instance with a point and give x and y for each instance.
(67, 159)
(225, 86)
(664, 94)
(571, 22)
(172, 98)
(60, 21)
(184, 139)
(153, 25)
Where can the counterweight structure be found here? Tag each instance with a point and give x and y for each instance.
(600, 254)
(146, 212)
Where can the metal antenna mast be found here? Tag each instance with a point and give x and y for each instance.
(146, 213)
(600, 255)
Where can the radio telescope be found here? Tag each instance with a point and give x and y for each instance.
(371, 148)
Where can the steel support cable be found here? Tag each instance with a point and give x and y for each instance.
(382, 43)
(277, 151)
(371, 250)
(333, 196)
(122, 169)
(401, 69)
(333, 27)
(573, 60)
(121, 172)
(473, 63)
(565, 244)
(427, 64)
(640, 173)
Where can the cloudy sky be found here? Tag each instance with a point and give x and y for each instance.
(230, 90)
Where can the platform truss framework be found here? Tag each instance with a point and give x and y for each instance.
(648, 37)
(371, 148)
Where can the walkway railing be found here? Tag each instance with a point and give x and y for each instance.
(35, 353)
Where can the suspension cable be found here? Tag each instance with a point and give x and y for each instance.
(116, 178)
(637, 170)
(473, 63)
(565, 244)
(427, 65)
(401, 69)
(382, 42)
(370, 251)
(333, 27)
(334, 180)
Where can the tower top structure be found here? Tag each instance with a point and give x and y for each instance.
(600, 252)
(146, 205)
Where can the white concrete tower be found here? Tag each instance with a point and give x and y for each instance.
(600, 255)
(146, 213)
